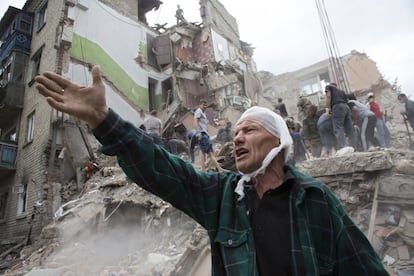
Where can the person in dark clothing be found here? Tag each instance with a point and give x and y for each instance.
(176, 146)
(409, 109)
(225, 134)
(336, 102)
(299, 150)
(281, 107)
(180, 131)
(265, 219)
(328, 139)
(193, 141)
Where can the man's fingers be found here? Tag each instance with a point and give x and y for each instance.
(48, 93)
(49, 84)
(57, 105)
(96, 75)
(58, 79)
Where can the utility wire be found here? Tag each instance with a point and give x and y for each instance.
(335, 59)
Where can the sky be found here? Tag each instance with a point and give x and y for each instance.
(287, 35)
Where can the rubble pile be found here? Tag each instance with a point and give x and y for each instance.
(113, 228)
(377, 189)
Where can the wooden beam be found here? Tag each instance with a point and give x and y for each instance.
(373, 212)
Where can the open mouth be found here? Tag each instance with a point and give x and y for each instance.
(240, 153)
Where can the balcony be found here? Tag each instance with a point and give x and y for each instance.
(8, 153)
(16, 41)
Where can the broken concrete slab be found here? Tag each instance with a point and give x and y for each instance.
(397, 186)
(215, 82)
(404, 166)
(350, 163)
(90, 212)
(403, 253)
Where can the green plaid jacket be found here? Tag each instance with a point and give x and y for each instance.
(328, 240)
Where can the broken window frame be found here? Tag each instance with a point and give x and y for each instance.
(22, 200)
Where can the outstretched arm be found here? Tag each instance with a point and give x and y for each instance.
(85, 103)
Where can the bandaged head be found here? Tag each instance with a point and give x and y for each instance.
(277, 127)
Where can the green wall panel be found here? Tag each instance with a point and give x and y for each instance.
(90, 52)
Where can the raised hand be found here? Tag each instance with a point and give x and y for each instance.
(85, 103)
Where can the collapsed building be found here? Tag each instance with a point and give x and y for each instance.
(44, 153)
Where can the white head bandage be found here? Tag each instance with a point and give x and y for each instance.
(276, 126)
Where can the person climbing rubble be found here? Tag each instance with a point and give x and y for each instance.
(179, 15)
(336, 102)
(90, 169)
(383, 134)
(310, 131)
(366, 122)
(204, 142)
(408, 114)
(225, 134)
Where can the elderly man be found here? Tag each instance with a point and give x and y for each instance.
(267, 219)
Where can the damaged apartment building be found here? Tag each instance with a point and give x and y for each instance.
(43, 152)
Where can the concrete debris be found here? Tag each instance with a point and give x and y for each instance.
(116, 228)
(345, 151)
(389, 214)
(405, 166)
(348, 163)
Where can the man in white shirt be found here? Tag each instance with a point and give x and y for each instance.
(153, 126)
(204, 143)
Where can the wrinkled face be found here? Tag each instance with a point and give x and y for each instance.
(252, 143)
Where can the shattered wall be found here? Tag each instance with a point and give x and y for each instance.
(215, 15)
(92, 45)
(362, 72)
